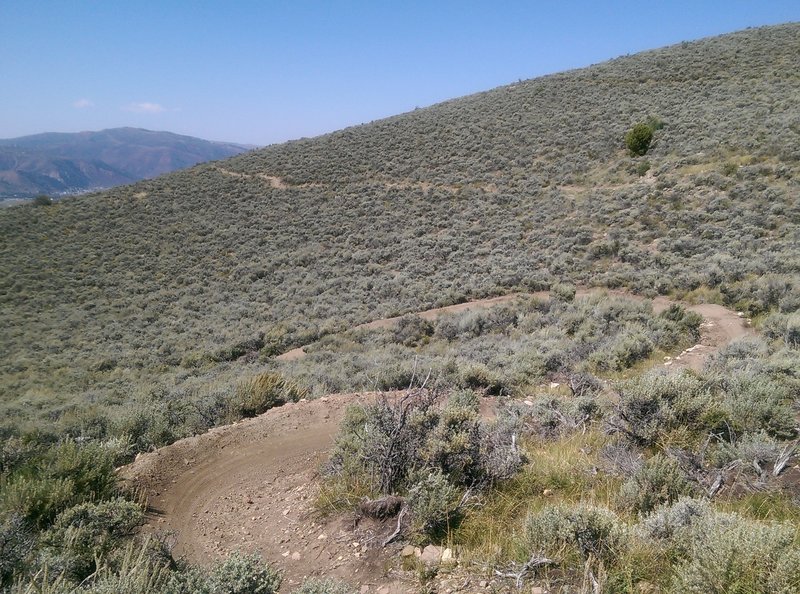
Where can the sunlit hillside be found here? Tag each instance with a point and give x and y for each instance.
(110, 295)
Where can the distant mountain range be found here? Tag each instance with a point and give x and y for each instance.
(59, 164)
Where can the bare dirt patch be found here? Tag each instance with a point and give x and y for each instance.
(251, 486)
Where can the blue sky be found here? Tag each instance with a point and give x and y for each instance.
(267, 71)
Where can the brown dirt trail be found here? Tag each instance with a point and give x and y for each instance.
(251, 485)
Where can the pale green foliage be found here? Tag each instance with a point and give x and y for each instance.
(660, 480)
(730, 554)
(585, 530)
(82, 534)
(656, 403)
(672, 522)
(243, 574)
(434, 502)
(324, 586)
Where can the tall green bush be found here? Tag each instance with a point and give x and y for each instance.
(638, 139)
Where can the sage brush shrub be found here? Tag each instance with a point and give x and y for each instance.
(657, 403)
(323, 586)
(87, 532)
(630, 346)
(17, 541)
(671, 524)
(58, 477)
(243, 573)
(752, 403)
(386, 443)
(434, 502)
(731, 554)
(575, 534)
(660, 480)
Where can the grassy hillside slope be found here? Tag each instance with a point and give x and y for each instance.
(515, 188)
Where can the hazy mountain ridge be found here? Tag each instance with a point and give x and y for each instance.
(64, 163)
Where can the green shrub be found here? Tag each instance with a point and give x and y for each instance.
(576, 533)
(792, 335)
(671, 523)
(61, 476)
(385, 443)
(627, 348)
(434, 503)
(656, 403)
(42, 200)
(323, 586)
(638, 139)
(730, 554)
(87, 532)
(753, 403)
(563, 292)
(413, 330)
(244, 574)
(659, 481)
(17, 541)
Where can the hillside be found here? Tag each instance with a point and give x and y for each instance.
(61, 163)
(165, 281)
(545, 336)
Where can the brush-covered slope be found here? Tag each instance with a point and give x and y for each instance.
(59, 163)
(515, 188)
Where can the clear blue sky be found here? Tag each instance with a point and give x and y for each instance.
(266, 71)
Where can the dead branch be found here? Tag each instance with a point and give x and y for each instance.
(399, 529)
(532, 563)
(784, 457)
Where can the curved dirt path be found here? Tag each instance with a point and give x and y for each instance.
(251, 485)
(721, 325)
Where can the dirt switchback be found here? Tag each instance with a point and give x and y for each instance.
(251, 485)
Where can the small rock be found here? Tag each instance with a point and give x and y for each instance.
(547, 492)
(554, 385)
(408, 551)
(538, 590)
(383, 590)
(364, 589)
(285, 554)
(431, 555)
(483, 583)
(448, 556)
(295, 556)
(322, 536)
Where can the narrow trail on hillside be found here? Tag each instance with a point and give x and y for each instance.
(252, 485)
